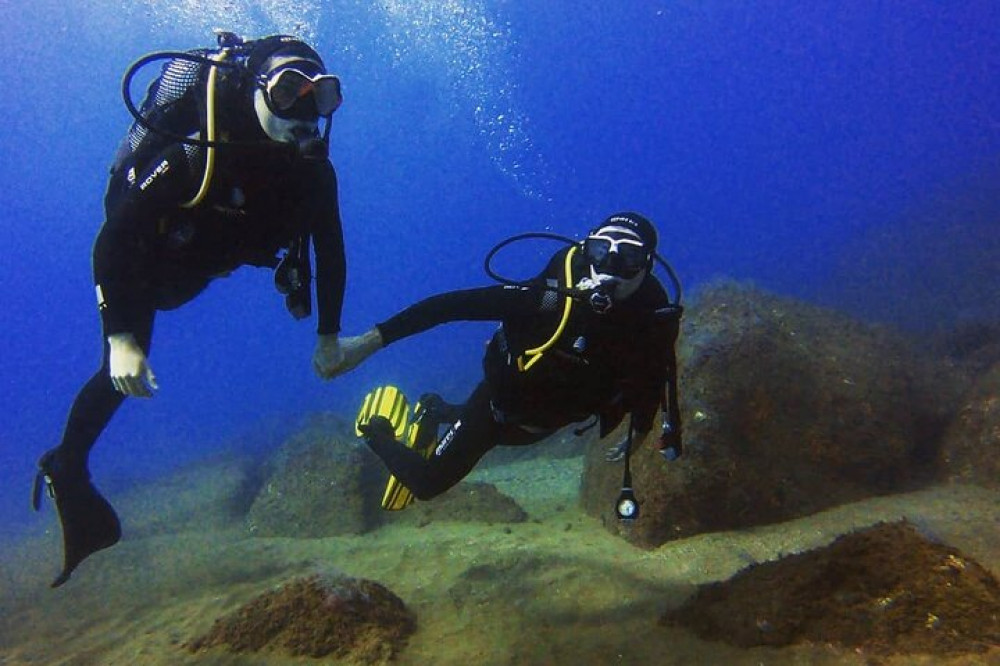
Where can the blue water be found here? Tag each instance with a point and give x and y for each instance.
(773, 143)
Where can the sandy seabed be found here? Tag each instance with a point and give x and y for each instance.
(557, 589)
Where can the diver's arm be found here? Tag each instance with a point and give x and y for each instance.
(331, 274)
(663, 393)
(331, 260)
(482, 304)
(671, 438)
(495, 303)
(121, 259)
(664, 384)
(124, 252)
(654, 381)
(124, 258)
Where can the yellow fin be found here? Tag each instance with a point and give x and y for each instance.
(387, 401)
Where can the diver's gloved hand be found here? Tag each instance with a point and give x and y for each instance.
(329, 355)
(130, 370)
(356, 349)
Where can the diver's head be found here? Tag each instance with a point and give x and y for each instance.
(620, 254)
(293, 91)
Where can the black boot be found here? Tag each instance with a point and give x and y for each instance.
(89, 523)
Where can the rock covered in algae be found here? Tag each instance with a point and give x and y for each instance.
(318, 615)
(314, 486)
(885, 590)
(788, 409)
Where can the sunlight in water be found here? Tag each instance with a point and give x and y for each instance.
(248, 17)
(476, 55)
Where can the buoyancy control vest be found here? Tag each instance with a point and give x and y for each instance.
(587, 360)
(207, 103)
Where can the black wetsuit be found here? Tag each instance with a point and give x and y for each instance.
(603, 364)
(153, 253)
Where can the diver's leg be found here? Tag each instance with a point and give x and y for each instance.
(89, 523)
(437, 411)
(472, 434)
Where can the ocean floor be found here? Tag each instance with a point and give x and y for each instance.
(557, 589)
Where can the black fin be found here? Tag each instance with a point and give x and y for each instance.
(89, 524)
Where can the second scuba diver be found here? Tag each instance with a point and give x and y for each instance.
(224, 166)
(592, 335)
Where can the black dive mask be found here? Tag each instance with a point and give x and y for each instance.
(295, 94)
(616, 254)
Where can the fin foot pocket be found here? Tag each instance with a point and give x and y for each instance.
(89, 522)
(386, 408)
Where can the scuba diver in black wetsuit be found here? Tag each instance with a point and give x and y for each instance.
(224, 166)
(594, 334)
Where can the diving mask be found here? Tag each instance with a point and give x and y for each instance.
(292, 93)
(616, 251)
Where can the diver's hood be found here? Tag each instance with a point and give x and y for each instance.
(266, 48)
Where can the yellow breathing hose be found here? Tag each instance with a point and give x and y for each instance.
(209, 132)
(536, 353)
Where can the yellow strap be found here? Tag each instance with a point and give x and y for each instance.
(209, 132)
(537, 352)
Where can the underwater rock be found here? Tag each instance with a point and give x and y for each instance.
(205, 496)
(971, 451)
(788, 409)
(320, 485)
(319, 615)
(885, 590)
(467, 502)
